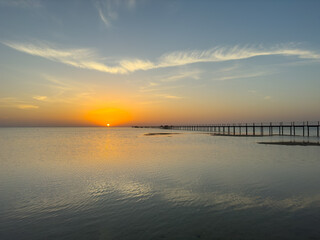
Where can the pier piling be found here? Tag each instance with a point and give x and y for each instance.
(252, 129)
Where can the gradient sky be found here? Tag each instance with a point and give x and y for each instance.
(93, 62)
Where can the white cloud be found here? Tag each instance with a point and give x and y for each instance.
(252, 91)
(168, 96)
(241, 76)
(221, 54)
(259, 95)
(27, 106)
(80, 58)
(66, 90)
(11, 102)
(136, 64)
(88, 59)
(108, 9)
(40, 98)
(229, 69)
(103, 17)
(194, 74)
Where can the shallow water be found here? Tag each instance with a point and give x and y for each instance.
(118, 183)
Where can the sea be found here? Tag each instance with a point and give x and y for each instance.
(124, 183)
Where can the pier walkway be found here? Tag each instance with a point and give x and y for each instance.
(252, 129)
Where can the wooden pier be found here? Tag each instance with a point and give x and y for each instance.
(254, 129)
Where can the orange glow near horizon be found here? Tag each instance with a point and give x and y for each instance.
(111, 116)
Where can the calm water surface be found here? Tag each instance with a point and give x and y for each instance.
(116, 183)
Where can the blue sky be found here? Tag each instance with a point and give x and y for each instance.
(153, 62)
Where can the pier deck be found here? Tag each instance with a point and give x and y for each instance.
(252, 129)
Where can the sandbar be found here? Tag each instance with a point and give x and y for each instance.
(159, 134)
(292, 143)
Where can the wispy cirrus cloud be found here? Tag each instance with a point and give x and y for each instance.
(66, 90)
(27, 106)
(105, 18)
(156, 88)
(186, 74)
(108, 9)
(237, 71)
(240, 76)
(221, 54)
(167, 96)
(252, 91)
(80, 58)
(260, 95)
(11, 102)
(40, 98)
(88, 59)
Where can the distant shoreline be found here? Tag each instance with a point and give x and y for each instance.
(292, 143)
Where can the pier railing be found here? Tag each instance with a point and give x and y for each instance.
(307, 128)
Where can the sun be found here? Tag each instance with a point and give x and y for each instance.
(108, 125)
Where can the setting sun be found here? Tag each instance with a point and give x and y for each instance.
(114, 116)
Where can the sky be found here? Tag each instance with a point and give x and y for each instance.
(150, 62)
